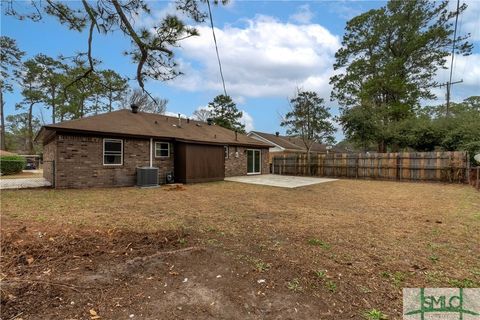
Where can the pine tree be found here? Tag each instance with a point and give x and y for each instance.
(309, 120)
(224, 113)
(10, 60)
(387, 64)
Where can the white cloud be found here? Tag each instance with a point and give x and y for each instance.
(247, 120)
(466, 68)
(303, 15)
(266, 58)
(469, 20)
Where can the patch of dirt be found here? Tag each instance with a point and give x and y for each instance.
(48, 273)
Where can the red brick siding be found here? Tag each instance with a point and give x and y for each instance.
(237, 166)
(80, 162)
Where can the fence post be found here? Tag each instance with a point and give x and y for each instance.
(53, 173)
(398, 167)
(356, 166)
(468, 167)
(478, 177)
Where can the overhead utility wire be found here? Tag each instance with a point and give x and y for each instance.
(454, 39)
(449, 83)
(216, 46)
(449, 86)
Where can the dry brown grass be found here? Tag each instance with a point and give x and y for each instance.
(368, 239)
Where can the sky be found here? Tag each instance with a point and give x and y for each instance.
(268, 49)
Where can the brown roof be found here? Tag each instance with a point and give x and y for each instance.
(279, 141)
(290, 143)
(150, 125)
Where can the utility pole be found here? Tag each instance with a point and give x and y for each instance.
(449, 83)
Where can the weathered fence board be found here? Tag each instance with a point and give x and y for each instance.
(406, 166)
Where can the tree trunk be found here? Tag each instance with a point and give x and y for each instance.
(30, 131)
(309, 165)
(2, 128)
(110, 101)
(53, 103)
(81, 108)
(381, 147)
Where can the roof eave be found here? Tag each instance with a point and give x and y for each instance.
(103, 133)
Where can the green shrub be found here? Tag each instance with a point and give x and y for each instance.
(11, 164)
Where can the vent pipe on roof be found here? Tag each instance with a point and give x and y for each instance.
(277, 133)
(209, 121)
(236, 135)
(134, 108)
(179, 121)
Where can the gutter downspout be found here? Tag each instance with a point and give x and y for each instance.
(151, 152)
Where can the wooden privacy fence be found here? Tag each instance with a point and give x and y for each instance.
(475, 177)
(408, 166)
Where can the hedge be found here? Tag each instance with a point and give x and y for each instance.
(12, 164)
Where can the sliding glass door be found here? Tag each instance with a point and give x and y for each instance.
(253, 161)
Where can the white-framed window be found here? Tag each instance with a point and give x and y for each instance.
(112, 152)
(162, 149)
(225, 149)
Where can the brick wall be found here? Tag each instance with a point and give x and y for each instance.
(237, 166)
(48, 160)
(79, 162)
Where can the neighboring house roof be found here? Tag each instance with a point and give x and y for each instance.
(150, 125)
(6, 153)
(289, 143)
(278, 141)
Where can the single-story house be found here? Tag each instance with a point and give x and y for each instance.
(285, 145)
(105, 150)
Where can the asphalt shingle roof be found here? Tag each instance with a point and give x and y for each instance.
(142, 124)
(290, 143)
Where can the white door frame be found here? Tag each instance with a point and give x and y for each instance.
(260, 156)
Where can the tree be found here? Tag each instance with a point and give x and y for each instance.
(225, 113)
(387, 64)
(152, 48)
(114, 87)
(145, 102)
(461, 129)
(28, 78)
(52, 81)
(18, 132)
(10, 60)
(309, 120)
(202, 114)
(82, 96)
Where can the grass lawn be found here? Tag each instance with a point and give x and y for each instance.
(336, 250)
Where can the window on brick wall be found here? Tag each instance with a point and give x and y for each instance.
(225, 149)
(162, 149)
(112, 152)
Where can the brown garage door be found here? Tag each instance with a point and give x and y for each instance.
(199, 163)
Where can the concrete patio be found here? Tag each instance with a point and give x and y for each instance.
(23, 183)
(276, 180)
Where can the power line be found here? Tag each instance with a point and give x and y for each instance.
(216, 47)
(449, 83)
